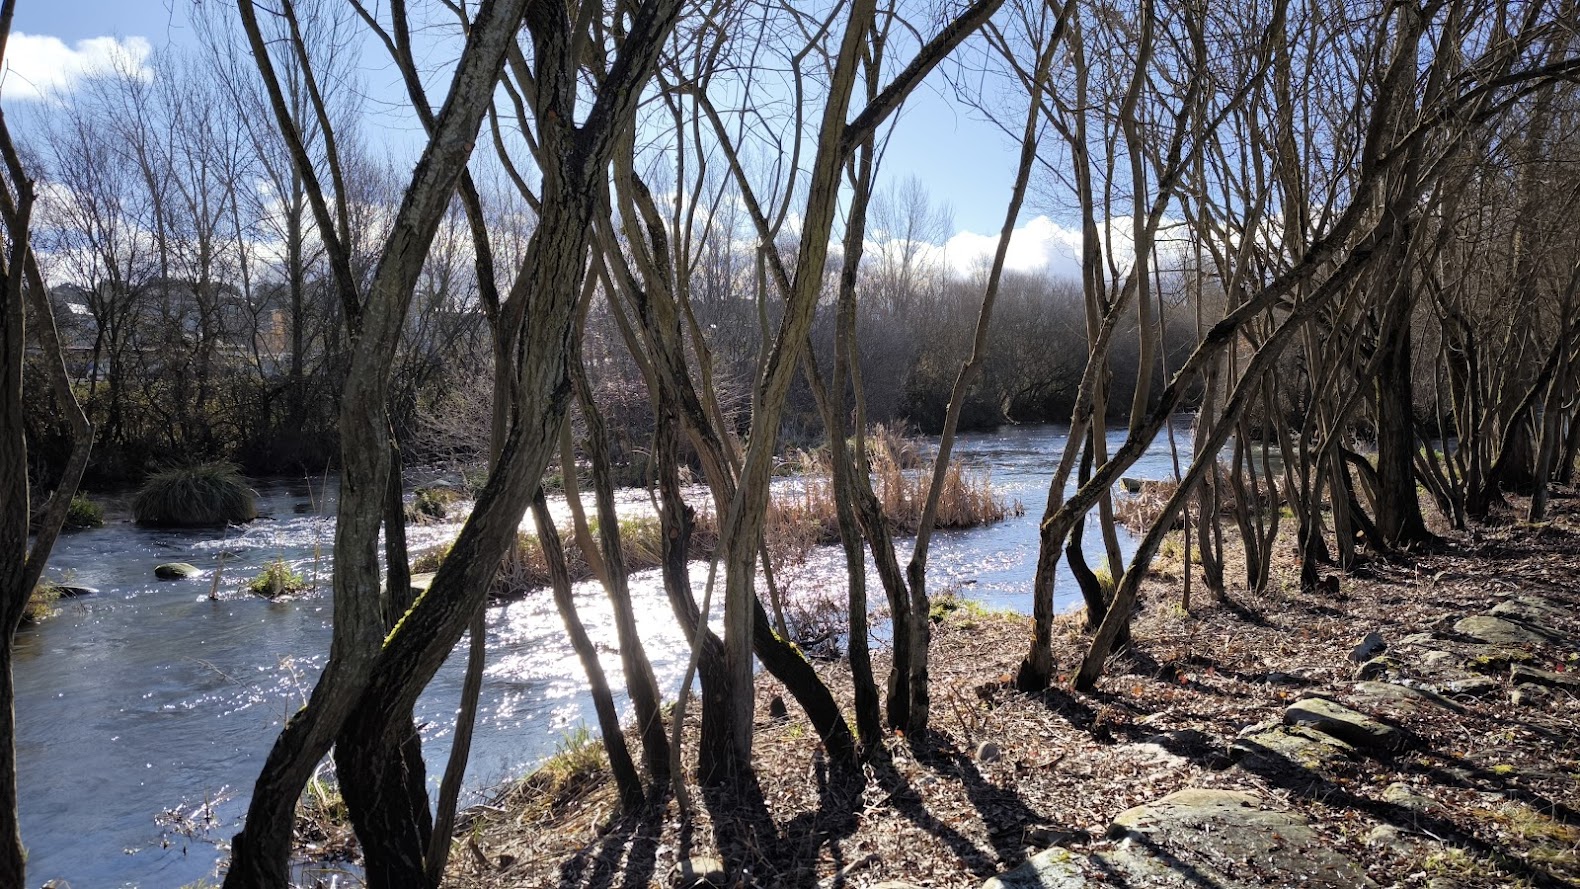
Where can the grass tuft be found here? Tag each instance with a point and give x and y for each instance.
(277, 579)
(84, 513)
(41, 603)
(202, 496)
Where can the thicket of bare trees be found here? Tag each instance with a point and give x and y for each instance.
(1338, 228)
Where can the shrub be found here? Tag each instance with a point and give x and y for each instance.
(206, 495)
(277, 579)
(41, 604)
(84, 513)
(431, 504)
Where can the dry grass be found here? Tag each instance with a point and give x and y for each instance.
(797, 521)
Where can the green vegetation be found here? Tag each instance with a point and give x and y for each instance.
(277, 579)
(431, 503)
(205, 495)
(84, 513)
(41, 604)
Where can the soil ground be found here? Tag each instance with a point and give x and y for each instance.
(1487, 792)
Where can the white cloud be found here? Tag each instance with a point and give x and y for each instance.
(38, 66)
(1040, 245)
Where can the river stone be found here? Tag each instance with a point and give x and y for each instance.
(1523, 675)
(1350, 726)
(72, 591)
(421, 582)
(700, 873)
(1498, 631)
(1054, 868)
(1391, 698)
(1303, 746)
(1368, 648)
(1222, 838)
(175, 571)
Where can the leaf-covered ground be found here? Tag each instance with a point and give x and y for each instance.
(1484, 789)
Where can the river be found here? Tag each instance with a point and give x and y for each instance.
(146, 697)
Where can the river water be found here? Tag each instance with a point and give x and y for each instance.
(147, 698)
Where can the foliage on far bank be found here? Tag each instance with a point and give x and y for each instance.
(201, 496)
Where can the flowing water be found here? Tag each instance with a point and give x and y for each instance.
(148, 699)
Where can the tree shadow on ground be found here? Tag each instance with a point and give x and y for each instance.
(1279, 772)
(633, 838)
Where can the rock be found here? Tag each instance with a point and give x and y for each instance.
(777, 709)
(1533, 610)
(421, 581)
(1054, 868)
(1384, 835)
(1377, 668)
(1418, 640)
(72, 591)
(175, 571)
(1302, 746)
(1498, 631)
(1225, 839)
(1350, 726)
(1523, 675)
(895, 884)
(1368, 648)
(699, 873)
(989, 752)
(1471, 686)
(1391, 697)
(1131, 485)
(1529, 695)
(1494, 659)
(1404, 796)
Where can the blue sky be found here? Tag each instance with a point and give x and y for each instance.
(961, 161)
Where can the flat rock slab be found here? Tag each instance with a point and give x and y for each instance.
(1350, 726)
(1225, 839)
(1391, 698)
(1499, 631)
(1523, 675)
(1533, 610)
(1194, 838)
(1051, 869)
(1297, 745)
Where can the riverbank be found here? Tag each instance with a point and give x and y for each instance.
(1266, 749)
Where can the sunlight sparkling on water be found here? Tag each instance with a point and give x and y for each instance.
(147, 696)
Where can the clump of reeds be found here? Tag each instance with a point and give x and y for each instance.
(431, 504)
(41, 603)
(277, 579)
(205, 495)
(84, 513)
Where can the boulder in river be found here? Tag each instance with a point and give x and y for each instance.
(176, 571)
